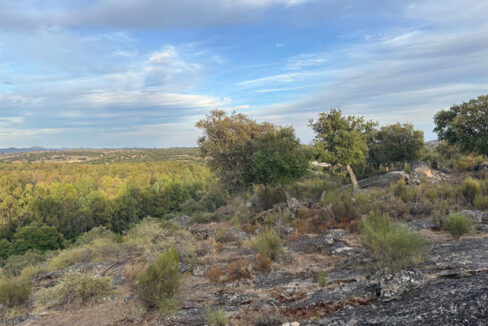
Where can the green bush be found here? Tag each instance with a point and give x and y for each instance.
(405, 193)
(223, 234)
(15, 264)
(311, 188)
(470, 189)
(75, 289)
(99, 232)
(4, 249)
(321, 279)
(98, 249)
(457, 225)
(14, 291)
(393, 245)
(268, 244)
(481, 202)
(33, 237)
(216, 317)
(160, 282)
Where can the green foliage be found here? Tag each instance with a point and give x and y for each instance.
(14, 291)
(395, 143)
(279, 159)
(481, 202)
(312, 188)
(244, 152)
(404, 192)
(393, 245)
(216, 317)
(342, 140)
(16, 263)
(74, 198)
(96, 250)
(159, 283)
(349, 205)
(223, 234)
(33, 237)
(321, 279)
(75, 289)
(457, 225)
(230, 142)
(465, 125)
(4, 249)
(268, 244)
(470, 188)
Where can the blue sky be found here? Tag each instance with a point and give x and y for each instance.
(140, 73)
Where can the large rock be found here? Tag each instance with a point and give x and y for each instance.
(393, 286)
(384, 179)
(449, 301)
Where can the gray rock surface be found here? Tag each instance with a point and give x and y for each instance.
(393, 286)
(443, 302)
(384, 180)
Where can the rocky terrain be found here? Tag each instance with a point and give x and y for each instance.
(448, 286)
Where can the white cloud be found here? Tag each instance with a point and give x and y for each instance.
(102, 98)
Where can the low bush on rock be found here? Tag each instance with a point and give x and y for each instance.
(216, 317)
(268, 244)
(160, 282)
(393, 245)
(15, 264)
(14, 291)
(470, 189)
(262, 264)
(457, 225)
(75, 289)
(481, 202)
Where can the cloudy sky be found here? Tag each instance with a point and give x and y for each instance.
(140, 73)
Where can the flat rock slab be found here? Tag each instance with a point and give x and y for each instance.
(461, 301)
(457, 256)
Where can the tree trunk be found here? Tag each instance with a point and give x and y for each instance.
(353, 177)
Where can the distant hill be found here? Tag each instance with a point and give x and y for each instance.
(104, 156)
(23, 150)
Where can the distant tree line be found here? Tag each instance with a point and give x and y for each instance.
(42, 205)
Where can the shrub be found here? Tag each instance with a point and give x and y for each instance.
(99, 232)
(215, 275)
(481, 202)
(15, 264)
(35, 238)
(404, 192)
(267, 197)
(470, 189)
(311, 188)
(223, 234)
(4, 249)
(14, 291)
(268, 244)
(216, 317)
(321, 279)
(263, 264)
(238, 270)
(457, 225)
(96, 250)
(393, 245)
(160, 282)
(75, 289)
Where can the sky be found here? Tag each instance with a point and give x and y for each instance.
(140, 73)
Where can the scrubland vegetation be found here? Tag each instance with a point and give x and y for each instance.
(257, 182)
